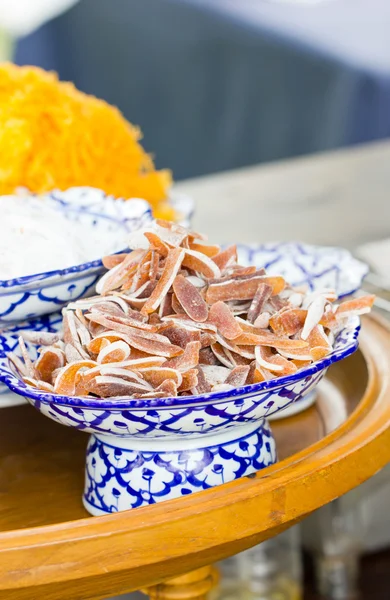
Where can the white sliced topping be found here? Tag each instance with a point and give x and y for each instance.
(265, 364)
(314, 316)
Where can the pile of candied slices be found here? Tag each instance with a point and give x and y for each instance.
(178, 317)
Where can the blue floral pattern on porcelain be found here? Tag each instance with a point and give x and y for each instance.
(129, 475)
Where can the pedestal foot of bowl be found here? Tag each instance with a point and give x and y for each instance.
(124, 473)
(195, 585)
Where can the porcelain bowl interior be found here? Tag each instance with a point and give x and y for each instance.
(173, 417)
(316, 267)
(34, 295)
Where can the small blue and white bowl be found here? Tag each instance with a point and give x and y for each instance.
(144, 451)
(42, 293)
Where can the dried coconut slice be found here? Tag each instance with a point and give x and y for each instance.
(104, 339)
(238, 376)
(190, 299)
(113, 260)
(172, 266)
(106, 386)
(72, 354)
(200, 263)
(114, 371)
(207, 357)
(221, 316)
(188, 360)
(275, 363)
(222, 387)
(189, 381)
(179, 336)
(329, 319)
(176, 306)
(356, 306)
(65, 381)
(254, 375)
(262, 294)
(40, 338)
(139, 364)
(69, 324)
(300, 354)
(209, 251)
(40, 385)
(196, 281)
(265, 374)
(242, 289)
(219, 353)
(203, 386)
(152, 395)
(157, 244)
(193, 235)
(314, 316)
(18, 364)
(318, 343)
(48, 361)
(226, 257)
(328, 294)
(238, 308)
(266, 338)
(207, 339)
(215, 374)
(186, 323)
(84, 335)
(154, 265)
(166, 307)
(170, 236)
(262, 321)
(288, 322)
(157, 375)
(114, 352)
(168, 387)
(244, 350)
(128, 320)
(26, 357)
(125, 329)
(114, 278)
(236, 359)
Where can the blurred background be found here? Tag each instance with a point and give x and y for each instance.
(220, 84)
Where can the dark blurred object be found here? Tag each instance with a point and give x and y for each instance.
(374, 577)
(219, 84)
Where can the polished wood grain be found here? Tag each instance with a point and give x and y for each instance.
(50, 548)
(195, 585)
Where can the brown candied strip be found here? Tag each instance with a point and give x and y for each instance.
(190, 299)
(242, 289)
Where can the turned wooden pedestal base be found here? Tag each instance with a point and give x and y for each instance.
(195, 585)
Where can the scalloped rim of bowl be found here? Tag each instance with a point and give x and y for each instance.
(16, 385)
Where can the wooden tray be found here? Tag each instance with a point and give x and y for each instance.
(50, 547)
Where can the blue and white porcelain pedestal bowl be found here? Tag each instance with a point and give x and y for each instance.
(144, 451)
(124, 473)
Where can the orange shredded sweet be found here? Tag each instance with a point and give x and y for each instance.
(54, 136)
